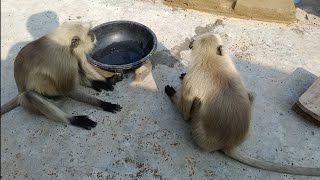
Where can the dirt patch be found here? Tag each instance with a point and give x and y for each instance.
(209, 27)
(140, 169)
(303, 17)
(191, 166)
(177, 49)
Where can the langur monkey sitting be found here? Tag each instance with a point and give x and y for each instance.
(52, 67)
(215, 100)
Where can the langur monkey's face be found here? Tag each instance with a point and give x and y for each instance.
(213, 41)
(91, 37)
(80, 35)
(88, 39)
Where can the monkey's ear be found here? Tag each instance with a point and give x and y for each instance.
(90, 33)
(74, 42)
(219, 50)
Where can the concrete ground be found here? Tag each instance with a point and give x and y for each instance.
(148, 139)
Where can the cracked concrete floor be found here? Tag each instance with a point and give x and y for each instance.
(148, 139)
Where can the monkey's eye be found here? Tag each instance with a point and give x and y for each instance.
(191, 44)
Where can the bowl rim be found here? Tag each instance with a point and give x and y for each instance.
(124, 66)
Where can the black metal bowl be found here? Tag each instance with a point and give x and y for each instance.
(122, 45)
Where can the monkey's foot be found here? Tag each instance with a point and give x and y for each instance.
(107, 106)
(83, 121)
(182, 75)
(98, 85)
(169, 90)
(115, 78)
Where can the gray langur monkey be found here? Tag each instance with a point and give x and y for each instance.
(215, 100)
(52, 67)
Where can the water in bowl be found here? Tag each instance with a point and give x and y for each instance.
(119, 53)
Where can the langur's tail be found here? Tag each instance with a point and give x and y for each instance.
(10, 105)
(270, 166)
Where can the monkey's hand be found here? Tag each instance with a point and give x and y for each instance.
(107, 84)
(182, 75)
(169, 90)
(115, 78)
(83, 121)
(107, 106)
(98, 85)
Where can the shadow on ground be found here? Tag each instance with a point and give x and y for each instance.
(38, 25)
(310, 6)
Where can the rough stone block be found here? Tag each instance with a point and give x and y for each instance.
(266, 10)
(273, 10)
(103, 72)
(309, 102)
(143, 71)
(222, 6)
